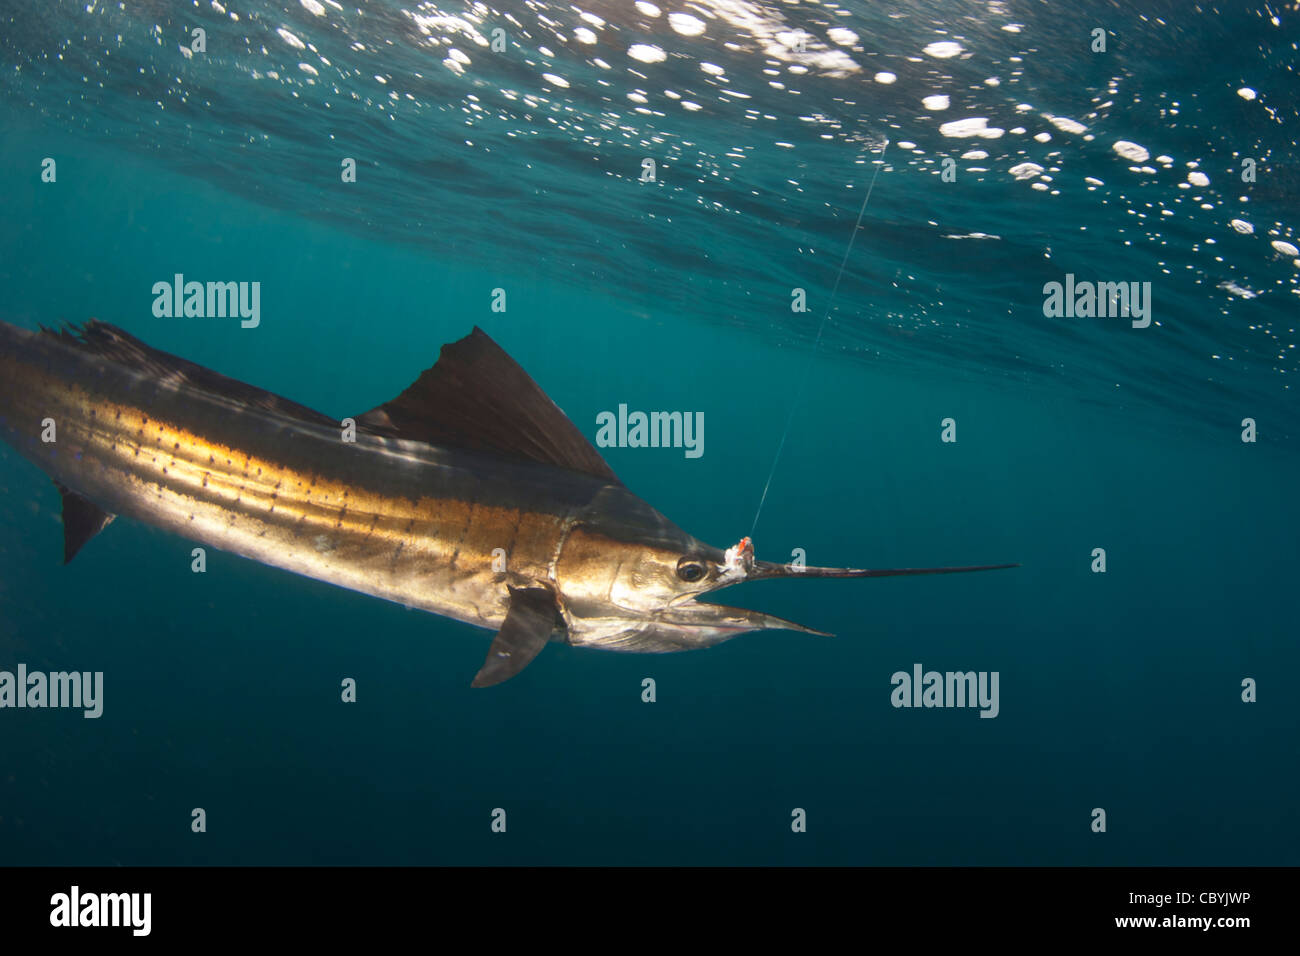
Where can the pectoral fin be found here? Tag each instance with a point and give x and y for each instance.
(533, 616)
(82, 520)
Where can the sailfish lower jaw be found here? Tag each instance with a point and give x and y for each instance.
(685, 626)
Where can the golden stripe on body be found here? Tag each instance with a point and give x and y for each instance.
(424, 552)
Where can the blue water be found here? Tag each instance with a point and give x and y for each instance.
(1120, 690)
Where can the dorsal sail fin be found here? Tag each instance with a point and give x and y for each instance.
(82, 520)
(476, 397)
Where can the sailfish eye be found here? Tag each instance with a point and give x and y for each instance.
(690, 570)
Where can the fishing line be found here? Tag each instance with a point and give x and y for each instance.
(813, 354)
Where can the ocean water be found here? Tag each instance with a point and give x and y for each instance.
(1001, 152)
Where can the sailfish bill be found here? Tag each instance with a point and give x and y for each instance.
(471, 464)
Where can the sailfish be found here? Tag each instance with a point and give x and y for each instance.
(470, 494)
